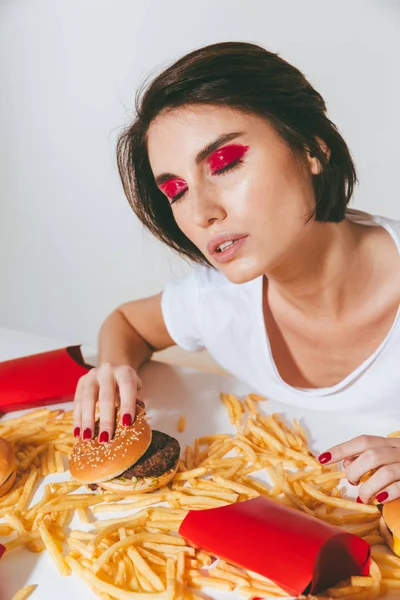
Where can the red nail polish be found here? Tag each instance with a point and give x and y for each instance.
(359, 500)
(77, 431)
(87, 434)
(382, 496)
(127, 420)
(104, 437)
(325, 457)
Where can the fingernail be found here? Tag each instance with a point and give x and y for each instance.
(87, 434)
(77, 431)
(104, 437)
(325, 457)
(382, 496)
(127, 420)
(359, 500)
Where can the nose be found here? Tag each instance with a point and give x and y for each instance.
(206, 207)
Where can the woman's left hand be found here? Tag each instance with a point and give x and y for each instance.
(364, 454)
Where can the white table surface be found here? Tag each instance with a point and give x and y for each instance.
(170, 391)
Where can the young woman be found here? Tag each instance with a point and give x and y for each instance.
(233, 162)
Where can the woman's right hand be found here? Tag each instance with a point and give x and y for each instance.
(110, 386)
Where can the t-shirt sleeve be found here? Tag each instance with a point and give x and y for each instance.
(180, 308)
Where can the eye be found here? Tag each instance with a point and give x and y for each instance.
(226, 158)
(174, 189)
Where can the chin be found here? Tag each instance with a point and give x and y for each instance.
(241, 272)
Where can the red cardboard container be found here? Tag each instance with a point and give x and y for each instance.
(41, 379)
(298, 552)
(2, 550)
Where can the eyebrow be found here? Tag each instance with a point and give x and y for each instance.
(203, 154)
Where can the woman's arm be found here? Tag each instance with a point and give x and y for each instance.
(128, 338)
(131, 334)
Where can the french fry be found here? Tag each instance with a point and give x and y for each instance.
(11, 498)
(231, 577)
(150, 501)
(25, 592)
(59, 461)
(340, 502)
(236, 487)
(213, 582)
(80, 547)
(226, 496)
(189, 462)
(142, 566)
(27, 491)
(193, 474)
(182, 423)
(168, 549)
(14, 522)
(83, 516)
(26, 463)
(108, 588)
(53, 550)
(391, 584)
(196, 453)
(357, 581)
(107, 554)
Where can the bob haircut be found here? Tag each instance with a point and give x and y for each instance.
(248, 78)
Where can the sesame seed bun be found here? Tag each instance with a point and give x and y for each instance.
(7, 467)
(390, 525)
(92, 462)
(7, 485)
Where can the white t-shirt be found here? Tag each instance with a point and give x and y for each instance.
(204, 310)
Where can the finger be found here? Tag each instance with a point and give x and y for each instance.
(355, 447)
(380, 485)
(391, 492)
(126, 380)
(140, 403)
(370, 460)
(89, 399)
(139, 393)
(107, 402)
(78, 406)
(348, 461)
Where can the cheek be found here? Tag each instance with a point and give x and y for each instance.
(184, 222)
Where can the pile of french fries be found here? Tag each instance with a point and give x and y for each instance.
(141, 555)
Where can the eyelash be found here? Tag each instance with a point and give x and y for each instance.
(222, 171)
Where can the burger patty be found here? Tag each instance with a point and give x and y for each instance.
(161, 456)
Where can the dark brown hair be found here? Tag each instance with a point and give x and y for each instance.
(248, 78)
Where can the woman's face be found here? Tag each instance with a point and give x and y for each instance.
(235, 188)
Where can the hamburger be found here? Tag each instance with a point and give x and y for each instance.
(390, 524)
(134, 461)
(8, 467)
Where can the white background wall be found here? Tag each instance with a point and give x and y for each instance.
(70, 248)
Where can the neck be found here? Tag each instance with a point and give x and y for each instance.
(325, 273)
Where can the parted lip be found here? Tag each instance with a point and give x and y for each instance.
(222, 238)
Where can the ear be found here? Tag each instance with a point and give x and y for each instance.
(314, 164)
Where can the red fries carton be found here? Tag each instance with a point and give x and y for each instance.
(41, 379)
(298, 552)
